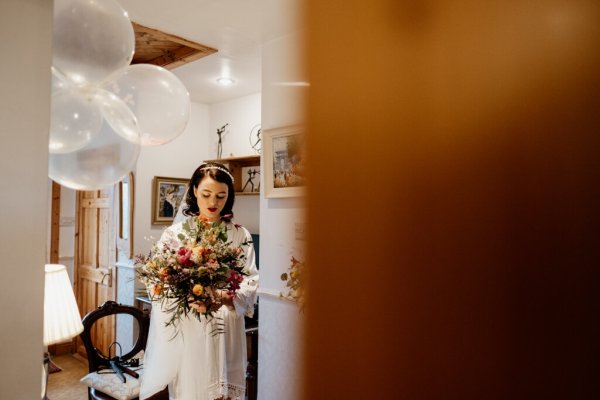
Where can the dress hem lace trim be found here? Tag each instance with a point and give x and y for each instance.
(227, 391)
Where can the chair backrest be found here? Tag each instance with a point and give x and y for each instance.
(95, 358)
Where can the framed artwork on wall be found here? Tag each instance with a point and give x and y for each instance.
(284, 162)
(250, 179)
(167, 194)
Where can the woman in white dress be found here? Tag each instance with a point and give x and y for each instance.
(198, 364)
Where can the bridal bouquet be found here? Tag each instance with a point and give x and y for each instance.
(186, 275)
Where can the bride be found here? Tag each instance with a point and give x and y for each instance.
(197, 364)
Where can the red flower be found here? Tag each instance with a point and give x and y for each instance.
(234, 280)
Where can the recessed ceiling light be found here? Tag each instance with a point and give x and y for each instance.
(225, 81)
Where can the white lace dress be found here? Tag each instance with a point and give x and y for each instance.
(198, 365)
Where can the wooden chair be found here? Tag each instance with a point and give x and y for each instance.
(97, 360)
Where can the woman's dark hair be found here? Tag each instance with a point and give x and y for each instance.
(219, 173)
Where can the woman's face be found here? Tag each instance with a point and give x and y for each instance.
(211, 197)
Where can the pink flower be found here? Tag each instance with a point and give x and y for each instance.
(183, 257)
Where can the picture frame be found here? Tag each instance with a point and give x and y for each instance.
(167, 194)
(284, 162)
(250, 182)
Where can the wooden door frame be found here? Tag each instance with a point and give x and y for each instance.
(68, 347)
(55, 223)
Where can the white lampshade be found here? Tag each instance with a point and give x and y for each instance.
(61, 315)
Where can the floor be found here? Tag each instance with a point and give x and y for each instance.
(65, 385)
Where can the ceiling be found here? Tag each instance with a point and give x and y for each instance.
(235, 28)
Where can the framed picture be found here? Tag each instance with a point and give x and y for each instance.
(167, 194)
(250, 179)
(284, 168)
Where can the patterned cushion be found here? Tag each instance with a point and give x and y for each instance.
(110, 384)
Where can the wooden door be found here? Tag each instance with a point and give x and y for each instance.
(95, 257)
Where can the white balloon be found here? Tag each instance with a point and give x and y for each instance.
(75, 119)
(59, 81)
(158, 99)
(107, 158)
(91, 40)
(118, 115)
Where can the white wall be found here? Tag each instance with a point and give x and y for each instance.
(25, 118)
(247, 212)
(242, 114)
(280, 337)
(177, 159)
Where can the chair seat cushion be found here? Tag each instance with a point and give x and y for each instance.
(111, 385)
(97, 395)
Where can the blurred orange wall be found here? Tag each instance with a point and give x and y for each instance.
(454, 188)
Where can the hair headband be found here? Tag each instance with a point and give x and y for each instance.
(220, 169)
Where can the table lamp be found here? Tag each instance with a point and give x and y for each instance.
(61, 315)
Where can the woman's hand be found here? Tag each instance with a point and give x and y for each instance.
(198, 306)
(223, 298)
(226, 298)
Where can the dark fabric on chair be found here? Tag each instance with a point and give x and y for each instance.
(96, 395)
(96, 360)
(164, 395)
